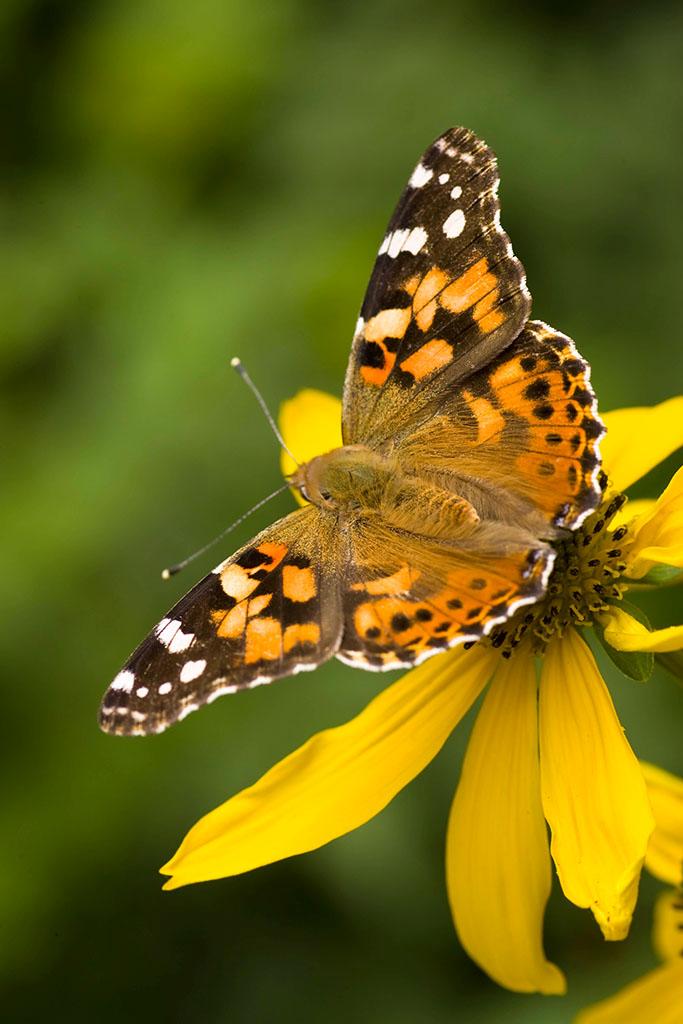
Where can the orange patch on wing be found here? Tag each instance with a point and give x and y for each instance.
(375, 374)
(555, 477)
(237, 582)
(410, 286)
(264, 640)
(428, 359)
(469, 288)
(365, 618)
(491, 321)
(301, 633)
(484, 305)
(388, 323)
(486, 316)
(378, 374)
(298, 584)
(399, 583)
(424, 300)
(572, 445)
(507, 373)
(490, 421)
(275, 552)
(259, 604)
(231, 624)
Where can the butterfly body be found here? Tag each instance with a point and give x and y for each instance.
(356, 484)
(471, 440)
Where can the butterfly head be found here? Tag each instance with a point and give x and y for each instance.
(344, 478)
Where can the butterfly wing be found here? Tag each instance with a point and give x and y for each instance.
(445, 368)
(269, 611)
(446, 293)
(409, 597)
(525, 426)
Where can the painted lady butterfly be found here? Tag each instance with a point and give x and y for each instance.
(470, 442)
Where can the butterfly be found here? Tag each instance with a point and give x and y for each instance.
(470, 442)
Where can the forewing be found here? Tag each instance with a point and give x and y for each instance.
(446, 293)
(525, 426)
(269, 611)
(409, 597)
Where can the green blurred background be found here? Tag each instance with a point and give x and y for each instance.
(186, 182)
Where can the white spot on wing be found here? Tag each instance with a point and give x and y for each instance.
(415, 240)
(456, 192)
(443, 178)
(420, 176)
(124, 681)
(454, 225)
(397, 242)
(172, 637)
(192, 670)
(142, 691)
(404, 240)
(165, 688)
(180, 642)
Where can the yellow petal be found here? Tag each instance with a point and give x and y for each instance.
(311, 425)
(340, 778)
(658, 535)
(594, 794)
(656, 998)
(664, 857)
(667, 932)
(631, 511)
(638, 439)
(625, 633)
(497, 860)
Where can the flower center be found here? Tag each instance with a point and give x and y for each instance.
(584, 580)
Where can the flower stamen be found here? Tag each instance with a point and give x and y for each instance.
(585, 580)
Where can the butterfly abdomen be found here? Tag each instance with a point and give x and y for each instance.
(414, 504)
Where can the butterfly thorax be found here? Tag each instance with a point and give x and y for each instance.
(356, 480)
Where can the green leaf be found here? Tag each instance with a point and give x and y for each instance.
(637, 665)
(658, 576)
(672, 661)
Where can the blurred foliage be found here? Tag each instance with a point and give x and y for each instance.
(184, 182)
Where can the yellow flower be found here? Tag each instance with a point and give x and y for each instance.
(658, 995)
(543, 749)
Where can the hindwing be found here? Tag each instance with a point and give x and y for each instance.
(409, 597)
(524, 428)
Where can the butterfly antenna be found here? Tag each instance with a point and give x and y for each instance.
(174, 569)
(237, 365)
